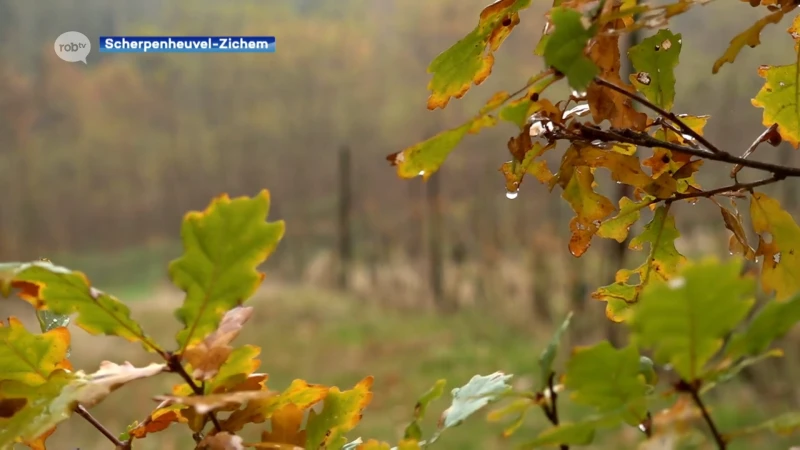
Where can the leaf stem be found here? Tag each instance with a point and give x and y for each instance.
(550, 407)
(767, 135)
(83, 412)
(174, 365)
(664, 113)
(693, 390)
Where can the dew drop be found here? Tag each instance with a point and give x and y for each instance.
(776, 258)
(511, 195)
(421, 172)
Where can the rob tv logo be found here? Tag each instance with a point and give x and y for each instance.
(73, 46)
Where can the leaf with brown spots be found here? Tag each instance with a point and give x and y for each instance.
(605, 103)
(471, 59)
(209, 355)
(778, 244)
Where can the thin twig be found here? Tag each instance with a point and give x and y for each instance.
(174, 365)
(550, 407)
(736, 187)
(765, 136)
(588, 132)
(692, 389)
(102, 429)
(127, 444)
(666, 114)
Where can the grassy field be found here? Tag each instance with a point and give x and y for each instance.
(325, 337)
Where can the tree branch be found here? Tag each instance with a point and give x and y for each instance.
(666, 114)
(174, 365)
(736, 187)
(590, 132)
(83, 412)
(550, 407)
(692, 389)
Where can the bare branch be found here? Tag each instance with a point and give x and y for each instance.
(83, 412)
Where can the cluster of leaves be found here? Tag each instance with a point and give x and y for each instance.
(221, 391)
(625, 123)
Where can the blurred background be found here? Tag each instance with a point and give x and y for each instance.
(405, 280)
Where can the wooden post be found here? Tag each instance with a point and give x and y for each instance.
(435, 239)
(345, 203)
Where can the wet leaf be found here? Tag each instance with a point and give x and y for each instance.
(471, 59)
(780, 99)
(413, 430)
(31, 358)
(628, 390)
(221, 441)
(425, 158)
(778, 244)
(64, 292)
(661, 264)
(657, 56)
(514, 171)
(299, 393)
(685, 322)
(772, 322)
(223, 246)
(468, 399)
(209, 355)
(565, 47)
(589, 206)
(548, 355)
(750, 37)
(341, 412)
(606, 103)
(48, 320)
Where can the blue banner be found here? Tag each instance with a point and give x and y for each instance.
(187, 44)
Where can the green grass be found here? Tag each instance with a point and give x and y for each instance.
(329, 338)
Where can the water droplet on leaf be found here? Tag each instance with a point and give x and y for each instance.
(421, 172)
(511, 195)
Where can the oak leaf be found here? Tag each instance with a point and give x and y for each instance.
(778, 244)
(470, 60)
(223, 246)
(780, 99)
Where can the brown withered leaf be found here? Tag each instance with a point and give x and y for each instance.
(605, 103)
(203, 404)
(221, 441)
(209, 355)
(737, 244)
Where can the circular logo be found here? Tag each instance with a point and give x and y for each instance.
(73, 46)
